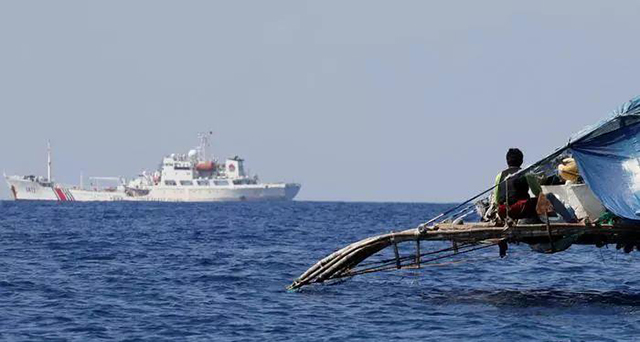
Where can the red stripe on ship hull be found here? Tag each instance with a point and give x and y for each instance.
(60, 194)
(69, 195)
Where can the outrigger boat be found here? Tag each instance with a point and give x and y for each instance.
(605, 207)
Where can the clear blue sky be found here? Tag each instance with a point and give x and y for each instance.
(356, 100)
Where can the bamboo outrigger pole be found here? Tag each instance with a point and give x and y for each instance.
(347, 262)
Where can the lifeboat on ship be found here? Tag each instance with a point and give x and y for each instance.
(205, 166)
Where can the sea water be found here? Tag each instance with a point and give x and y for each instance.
(218, 272)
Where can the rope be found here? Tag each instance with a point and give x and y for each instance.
(391, 267)
(389, 261)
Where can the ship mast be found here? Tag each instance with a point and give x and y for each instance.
(48, 160)
(204, 143)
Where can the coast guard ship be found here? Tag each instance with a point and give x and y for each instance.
(191, 177)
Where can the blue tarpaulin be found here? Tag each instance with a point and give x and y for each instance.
(608, 157)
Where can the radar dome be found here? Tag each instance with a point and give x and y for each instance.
(192, 153)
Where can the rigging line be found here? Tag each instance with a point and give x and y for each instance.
(380, 268)
(409, 257)
(468, 207)
(389, 268)
(465, 260)
(468, 211)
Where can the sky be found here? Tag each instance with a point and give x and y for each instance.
(407, 101)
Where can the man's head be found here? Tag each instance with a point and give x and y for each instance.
(514, 157)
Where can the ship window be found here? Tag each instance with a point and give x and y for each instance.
(169, 182)
(237, 182)
(182, 167)
(203, 182)
(186, 182)
(220, 182)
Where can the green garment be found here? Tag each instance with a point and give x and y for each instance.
(532, 180)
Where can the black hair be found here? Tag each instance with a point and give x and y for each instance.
(514, 157)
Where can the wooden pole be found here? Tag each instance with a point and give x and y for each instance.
(418, 253)
(395, 251)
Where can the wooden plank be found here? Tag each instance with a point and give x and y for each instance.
(483, 231)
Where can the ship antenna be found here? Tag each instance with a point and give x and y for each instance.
(49, 160)
(204, 142)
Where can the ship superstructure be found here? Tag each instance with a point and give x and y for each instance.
(191, 177)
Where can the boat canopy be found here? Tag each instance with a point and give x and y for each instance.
(608, 155)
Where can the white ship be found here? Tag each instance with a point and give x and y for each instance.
(191, 177)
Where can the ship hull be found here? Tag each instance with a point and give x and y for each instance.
(259, 192)
(30, 190)
(26, 189)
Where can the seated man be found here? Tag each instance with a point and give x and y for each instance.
(512, 195)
